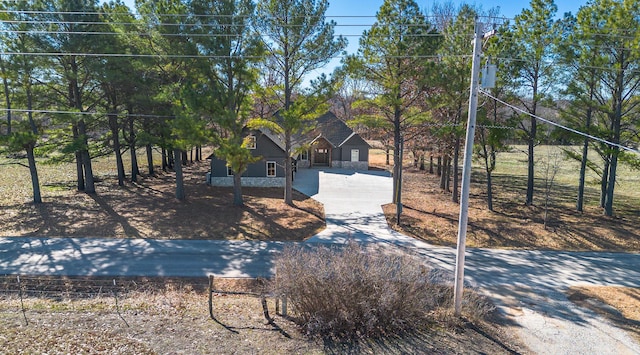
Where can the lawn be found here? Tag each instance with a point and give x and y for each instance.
(148, 209)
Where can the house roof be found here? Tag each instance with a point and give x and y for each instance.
(276, 138)
(333, 129)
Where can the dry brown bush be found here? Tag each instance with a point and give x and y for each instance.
(353, 292)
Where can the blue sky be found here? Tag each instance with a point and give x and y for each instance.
(508, 9)
(346, 25)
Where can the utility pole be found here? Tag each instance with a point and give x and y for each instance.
(466, 170)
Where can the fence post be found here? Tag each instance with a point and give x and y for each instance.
(284, 305)
(211, 296)
(24, 312)
(115, 295)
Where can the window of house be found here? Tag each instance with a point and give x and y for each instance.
(229, 171)
(355, 154)
(251, 142)
(304, 155)
(271, 169)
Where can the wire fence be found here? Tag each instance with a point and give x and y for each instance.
(26, 288)
(21, 291)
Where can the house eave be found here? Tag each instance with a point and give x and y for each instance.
(347, 139)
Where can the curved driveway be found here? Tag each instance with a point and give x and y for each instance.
(528, 285)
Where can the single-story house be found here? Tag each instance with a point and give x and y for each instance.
(330, 144)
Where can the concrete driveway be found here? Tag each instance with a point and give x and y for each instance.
(352, 204)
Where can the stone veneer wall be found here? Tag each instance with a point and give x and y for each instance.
(227, 181)
(355, 165)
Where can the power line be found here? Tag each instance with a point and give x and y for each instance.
(203, 56)
(557, 63)
(83, 113)
(586, 135)
(102, 13)
(149, 34)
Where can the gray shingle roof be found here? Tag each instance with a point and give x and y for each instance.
(333, 129)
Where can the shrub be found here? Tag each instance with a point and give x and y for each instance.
(350, 291)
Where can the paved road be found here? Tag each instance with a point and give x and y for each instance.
(527, 284)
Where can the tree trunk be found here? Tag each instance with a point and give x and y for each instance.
(83, 159)
(608, 201)
(397, 164)
(135, 170)
(447, 173)
(237, 190)
(149, 149)
(616, 121)
(113, 125)
(165, 163)
(583, 170)
(613, 165)
(86, 159)
(489, 191)
(79, 166)
(455, 196)
(488, 168)
(430, 164)
(387, 153)
(7, 95)
(585, 152)
(439, 167)
(35, 182)
(288, 171)
(604, 181)
(180, 194)
(531, 162)
(442, 169)
(33, 171)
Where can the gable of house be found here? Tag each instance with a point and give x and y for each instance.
(267, 147)
(335, 144)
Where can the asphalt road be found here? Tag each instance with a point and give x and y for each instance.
(528, 285)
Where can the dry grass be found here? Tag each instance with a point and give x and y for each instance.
(161, 316)
(430, 215)
(351, 292)
(148, 209)
(620, 305)
(158, 318)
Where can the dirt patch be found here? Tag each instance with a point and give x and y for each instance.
(620, 305)
(171, 316)
(148, 209)
(429, 214)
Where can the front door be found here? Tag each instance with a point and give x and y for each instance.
(321, 157)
